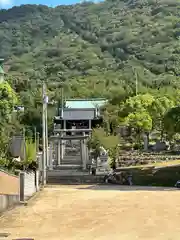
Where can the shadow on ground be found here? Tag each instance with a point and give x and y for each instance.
(127, 188)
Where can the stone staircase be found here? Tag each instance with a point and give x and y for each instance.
(72, 156)
(70, 171)
(73, 177)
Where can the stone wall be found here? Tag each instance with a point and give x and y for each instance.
(9, 183)
(29, 184)
(7, 201)
(9, 190)
(14, 189)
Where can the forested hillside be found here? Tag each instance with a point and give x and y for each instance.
(97, 48)
(93, 50)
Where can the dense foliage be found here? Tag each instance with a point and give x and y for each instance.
(97, 48)
(112, 49)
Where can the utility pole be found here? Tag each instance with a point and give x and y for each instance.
(35, 139)
(136, 80)
(24, 143)
(44, 160)
(37, 142)
(46, 126)
(62, 101)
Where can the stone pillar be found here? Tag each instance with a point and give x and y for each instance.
(80, 141)
(84, 160)
(62, 142)
(64, 124)
(39, 158)
(58, 153)
(90, 124)
(51, 155)
(47, 159)
(21, 186)
(87, 153)
(37, 180)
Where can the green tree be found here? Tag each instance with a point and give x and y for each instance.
(8, 125)
(100, 139)
(141, 102)
(160, 106)
(172, 121)
(141, 122)
(8, 100)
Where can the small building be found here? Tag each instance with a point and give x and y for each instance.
(71, 131)
(80, 114)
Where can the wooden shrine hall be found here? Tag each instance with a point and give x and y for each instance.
(72, 128)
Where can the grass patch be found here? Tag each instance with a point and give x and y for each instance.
(170, 163)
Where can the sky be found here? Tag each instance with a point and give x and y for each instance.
(10, 3)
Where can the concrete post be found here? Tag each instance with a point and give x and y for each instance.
(59, 153)
(37, 180)
(64, 124)
(47, 159)
(39, 158)
(90, 124)
(63, 141)
(61, 149)
(81, 152)
(84, 153)
(51, 156)
(87, 153)
(21, 186)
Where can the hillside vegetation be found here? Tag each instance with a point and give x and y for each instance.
(96, 50)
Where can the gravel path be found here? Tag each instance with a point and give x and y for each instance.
(97, 213)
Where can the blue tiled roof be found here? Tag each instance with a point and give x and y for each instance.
(85, 103)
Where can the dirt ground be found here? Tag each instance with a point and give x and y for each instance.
(97, 213)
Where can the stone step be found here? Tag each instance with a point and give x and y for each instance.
(68, 166)
(72, 153)
(74, 158)
(78, 179)
(71, 156)
(66, 172)
(70, 163)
